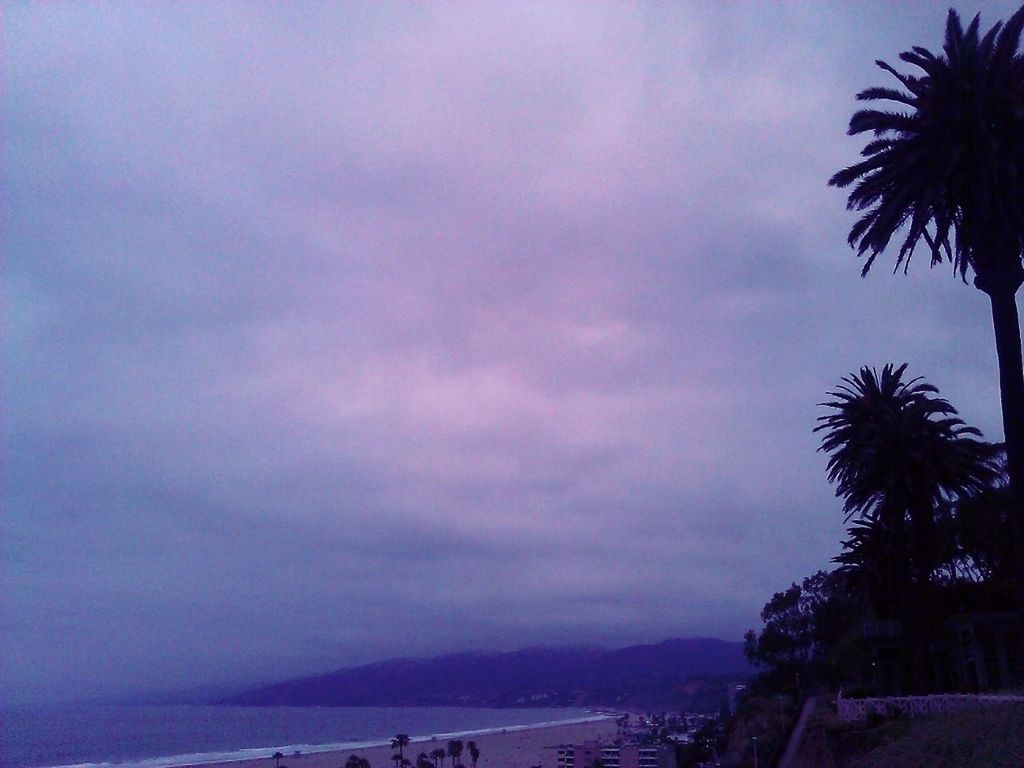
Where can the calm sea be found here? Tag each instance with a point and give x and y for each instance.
(159, 736)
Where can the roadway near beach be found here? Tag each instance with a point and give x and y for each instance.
(508, 749)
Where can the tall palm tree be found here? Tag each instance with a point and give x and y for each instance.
(438, 755)
(948, 168)
(897, 451)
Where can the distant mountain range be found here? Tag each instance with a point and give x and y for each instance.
(688, 673)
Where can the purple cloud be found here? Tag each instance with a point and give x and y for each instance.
(504, 324)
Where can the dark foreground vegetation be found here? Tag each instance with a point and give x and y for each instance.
(923, 598)
(993, 738)
(928, 592)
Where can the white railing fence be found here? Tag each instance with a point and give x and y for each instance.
(915, 706)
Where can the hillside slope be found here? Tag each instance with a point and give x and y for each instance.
(678, 672)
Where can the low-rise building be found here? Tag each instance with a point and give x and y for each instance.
(585, 755)
(592, 754)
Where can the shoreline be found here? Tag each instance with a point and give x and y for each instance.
(513, 746)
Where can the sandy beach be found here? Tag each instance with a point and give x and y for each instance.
(508, 749)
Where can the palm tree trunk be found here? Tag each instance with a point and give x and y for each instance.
(1011, 394)
(902, 587)
(910, 672)
(922, 522)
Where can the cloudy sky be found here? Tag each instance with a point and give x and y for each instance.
(341, 331)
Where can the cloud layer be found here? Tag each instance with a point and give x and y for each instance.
(342, 332)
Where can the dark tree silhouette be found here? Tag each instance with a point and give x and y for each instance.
(423, 761)
(474, 752)
(897, 451)
(948, 169)
(980, 533)
(400, 742)
(355, 761)
(455, 750)
(438, 755)
(801, 628)
(278, 757)
(869, 562)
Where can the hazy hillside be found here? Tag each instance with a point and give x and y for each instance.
(686, 673)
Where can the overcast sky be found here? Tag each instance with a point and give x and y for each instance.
(341, 331)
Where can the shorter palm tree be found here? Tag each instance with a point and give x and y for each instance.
(278, 757)
(438, 755)
(897, 452)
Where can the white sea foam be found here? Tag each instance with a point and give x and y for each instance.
(504, 729)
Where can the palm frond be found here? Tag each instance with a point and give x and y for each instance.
(905, 79)
(954, 37)
(1009, 40)
(880, 122)
(887, 94)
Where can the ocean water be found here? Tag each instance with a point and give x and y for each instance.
(161, 736)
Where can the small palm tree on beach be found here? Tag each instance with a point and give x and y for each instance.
(278, 757)
(474, 752)
(438, 755)
(400, 742)
(455, 750)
